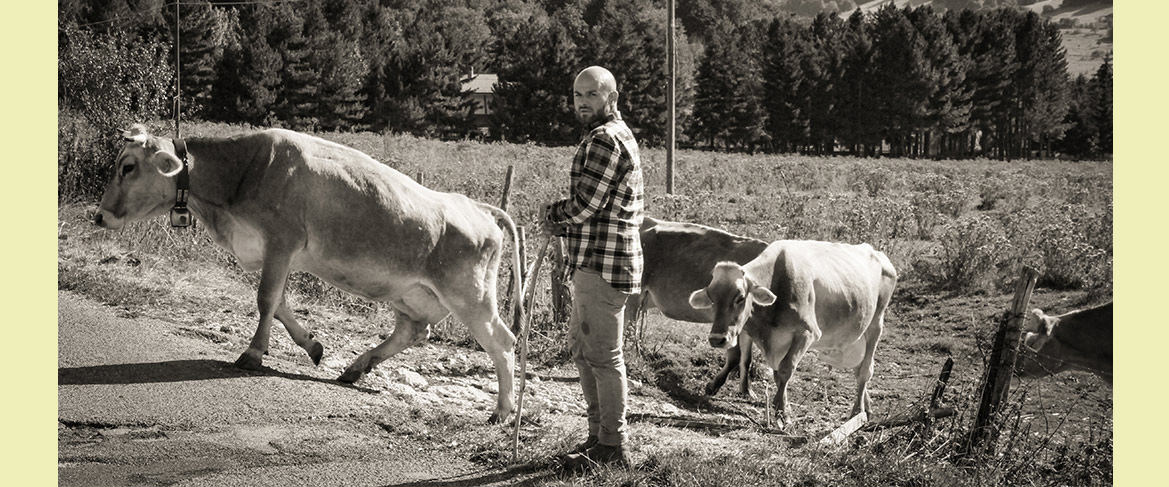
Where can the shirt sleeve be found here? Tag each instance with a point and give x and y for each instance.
(600, 174)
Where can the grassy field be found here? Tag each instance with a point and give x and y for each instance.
(957, 231)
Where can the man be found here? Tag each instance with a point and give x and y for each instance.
(600, 218)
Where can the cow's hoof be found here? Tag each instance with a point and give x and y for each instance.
(317, 352)
(248, 361)
(350, 376)
(711, 389)
(495, 418)
(782, 421)
(747, 395)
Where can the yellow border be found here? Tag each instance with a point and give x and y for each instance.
(29, 201)
(1139, 273)
(29, 205)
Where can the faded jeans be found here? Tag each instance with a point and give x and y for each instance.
(595, 336)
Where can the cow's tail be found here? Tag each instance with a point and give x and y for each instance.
(516, 268)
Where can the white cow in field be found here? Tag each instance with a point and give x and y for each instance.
(679, 258)
(282, 201)
(799, 295)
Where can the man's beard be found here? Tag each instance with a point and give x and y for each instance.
(590, 117)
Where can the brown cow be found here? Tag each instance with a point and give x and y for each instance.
(1077, 340)
(678, 259)
(799, 295)
(280, 200)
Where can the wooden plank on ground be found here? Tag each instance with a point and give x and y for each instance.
(846, 429)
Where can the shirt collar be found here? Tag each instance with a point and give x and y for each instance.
(614, 115)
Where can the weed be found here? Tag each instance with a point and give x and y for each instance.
(921, 213)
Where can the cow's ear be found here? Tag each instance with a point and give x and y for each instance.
(762, 296)
(700, 300)
(136, 133)
(1037, 322)
(167, 164)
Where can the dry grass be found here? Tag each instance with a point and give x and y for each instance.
(957, 232)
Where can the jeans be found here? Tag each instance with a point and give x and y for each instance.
(595, 334)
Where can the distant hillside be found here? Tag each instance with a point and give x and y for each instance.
(1082, 12)
(1086, 25)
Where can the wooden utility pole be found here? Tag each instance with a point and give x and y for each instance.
(1002, 367)
(178, 79)
(670, 64)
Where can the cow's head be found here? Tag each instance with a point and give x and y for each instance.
(143, 184)
(731, 293)
(1037, 328)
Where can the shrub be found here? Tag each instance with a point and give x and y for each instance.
(81, 149)
(1070, 258)
(1070, 244)
(104, 82)
(973, 250)
(871, 180)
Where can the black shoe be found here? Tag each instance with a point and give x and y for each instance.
(596, 456)
(590, 442)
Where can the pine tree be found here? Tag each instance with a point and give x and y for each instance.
(824, 68)
(783, 77)
(748, 117)
(1039, 85)
(300, 75)
(536, 58)
(626, 37)
(340, 104)
(857, 112)
(248, 78)
(203, 34)
(901, 77)
(1101, 108)
(987, 42)
(948, 101)
(728, 105)
(710, 98)
(1081, 138)
(381, 31)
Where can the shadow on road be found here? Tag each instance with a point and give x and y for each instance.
(176, 371)
(512, 477)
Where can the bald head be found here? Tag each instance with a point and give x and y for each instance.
(598, 76)
(594, 94)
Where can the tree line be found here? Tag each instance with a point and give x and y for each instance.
(908, 80)
(751, 75)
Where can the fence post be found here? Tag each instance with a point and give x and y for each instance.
(561, 296)
(503, 206)
(997, 379)
(518, 308)
(506, 187)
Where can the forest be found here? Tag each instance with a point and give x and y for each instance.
(943, 79)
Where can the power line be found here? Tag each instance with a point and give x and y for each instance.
(124, 17)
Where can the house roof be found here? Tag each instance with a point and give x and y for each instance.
(480, 83)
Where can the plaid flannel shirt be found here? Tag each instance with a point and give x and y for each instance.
(605, 206)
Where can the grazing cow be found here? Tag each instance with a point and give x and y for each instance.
(678, 259)
(799, 295)
(1078, 340)
(280, 200)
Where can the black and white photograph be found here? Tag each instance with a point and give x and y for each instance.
(464, 243)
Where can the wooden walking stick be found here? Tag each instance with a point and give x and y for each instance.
(529, 292)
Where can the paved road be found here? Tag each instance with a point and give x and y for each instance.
(141, 405)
